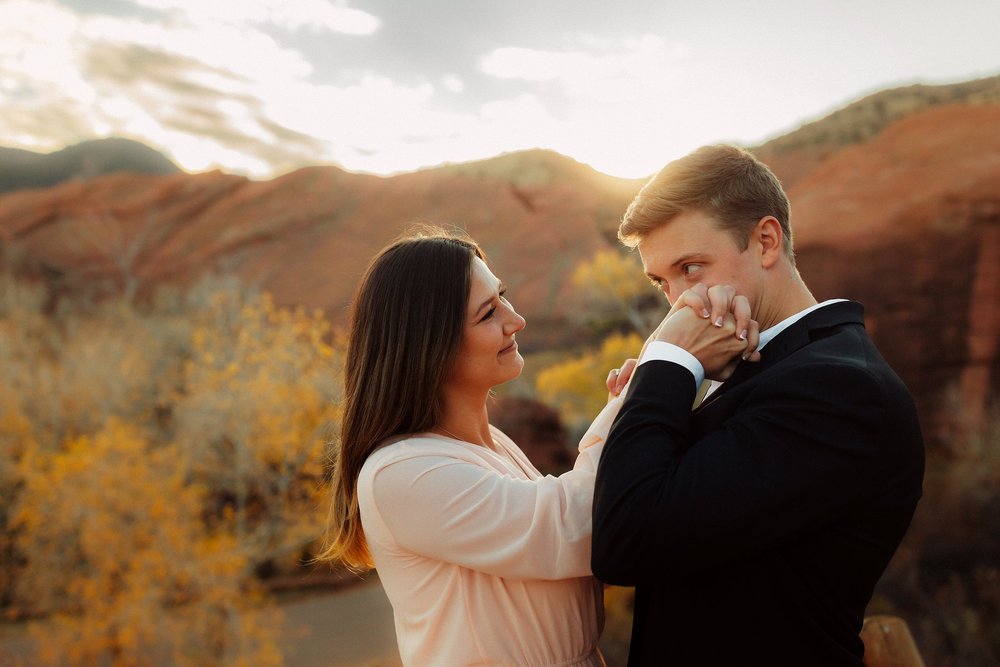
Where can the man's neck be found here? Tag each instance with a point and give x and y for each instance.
(791, 296)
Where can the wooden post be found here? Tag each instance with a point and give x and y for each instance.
(888, 643)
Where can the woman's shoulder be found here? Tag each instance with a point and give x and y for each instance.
(414, 445)
(503, 442)
(409, 456)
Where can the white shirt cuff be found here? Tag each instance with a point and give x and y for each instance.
(661, 351)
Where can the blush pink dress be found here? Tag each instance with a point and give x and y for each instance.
(485, 560)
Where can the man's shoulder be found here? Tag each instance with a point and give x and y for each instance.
(849, 358)
(846, 372)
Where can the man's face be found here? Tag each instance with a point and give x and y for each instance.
(691, 249)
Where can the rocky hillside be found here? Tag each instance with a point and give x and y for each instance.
(307, 236)
(902, 213)
(796, 153)
(909, 224)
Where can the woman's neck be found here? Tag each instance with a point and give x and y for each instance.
(464, 417)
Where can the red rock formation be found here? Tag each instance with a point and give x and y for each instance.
(307, 236)
(906, 222)
(796, 153)
(909, 224)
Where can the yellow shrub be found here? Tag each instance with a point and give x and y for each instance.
(576, 388)
(112, 530)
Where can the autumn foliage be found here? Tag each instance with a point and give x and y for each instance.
(576, 387)
(612, 290)
(154, 459)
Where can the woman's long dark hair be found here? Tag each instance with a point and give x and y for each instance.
(406, 327)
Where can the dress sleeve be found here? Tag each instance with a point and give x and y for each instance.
(457, 510)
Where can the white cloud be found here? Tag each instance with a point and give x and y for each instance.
(376, 124)
(213, 91)
(35, 40)
(532, 64)
(628, 104)
(646, 61)
(222, 84)
(234, 52)
(288, 14)
(453, 83)
(198, 88)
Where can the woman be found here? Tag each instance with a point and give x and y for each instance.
(484, 560)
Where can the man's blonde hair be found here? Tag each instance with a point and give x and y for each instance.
(726, 182)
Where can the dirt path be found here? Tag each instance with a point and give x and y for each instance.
(350, 628)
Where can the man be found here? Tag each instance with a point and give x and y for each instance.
(755, 526)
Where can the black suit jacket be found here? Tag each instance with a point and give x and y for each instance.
(755, 528)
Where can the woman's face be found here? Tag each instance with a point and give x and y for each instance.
(488, 355)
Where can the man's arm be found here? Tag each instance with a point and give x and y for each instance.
(801, 449)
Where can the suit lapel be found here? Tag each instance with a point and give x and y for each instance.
(796, 336)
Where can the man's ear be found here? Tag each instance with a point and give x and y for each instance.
(769, 239)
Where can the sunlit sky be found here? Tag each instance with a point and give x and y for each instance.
(260, 87)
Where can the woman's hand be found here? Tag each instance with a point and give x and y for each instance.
(717, 348)
(619, 377)
(720, 308)
(729, 314)
(714, 303)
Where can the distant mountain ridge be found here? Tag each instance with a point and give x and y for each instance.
(22, 169)
(790, 155)
(795, 153)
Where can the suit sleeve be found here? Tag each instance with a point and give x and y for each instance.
(800, 449)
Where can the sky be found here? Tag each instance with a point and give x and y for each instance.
(262, 87)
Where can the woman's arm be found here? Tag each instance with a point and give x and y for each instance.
(461, 512)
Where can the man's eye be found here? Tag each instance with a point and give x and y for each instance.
(691, 268)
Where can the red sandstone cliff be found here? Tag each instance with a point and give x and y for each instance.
(907, 221)
(794, 154)
(909, 224)
(307, 236)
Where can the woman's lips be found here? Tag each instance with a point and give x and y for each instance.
(510, 348)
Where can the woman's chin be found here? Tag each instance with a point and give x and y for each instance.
(514, 372)
(520, 365)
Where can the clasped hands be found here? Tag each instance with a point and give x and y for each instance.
(713, 323)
